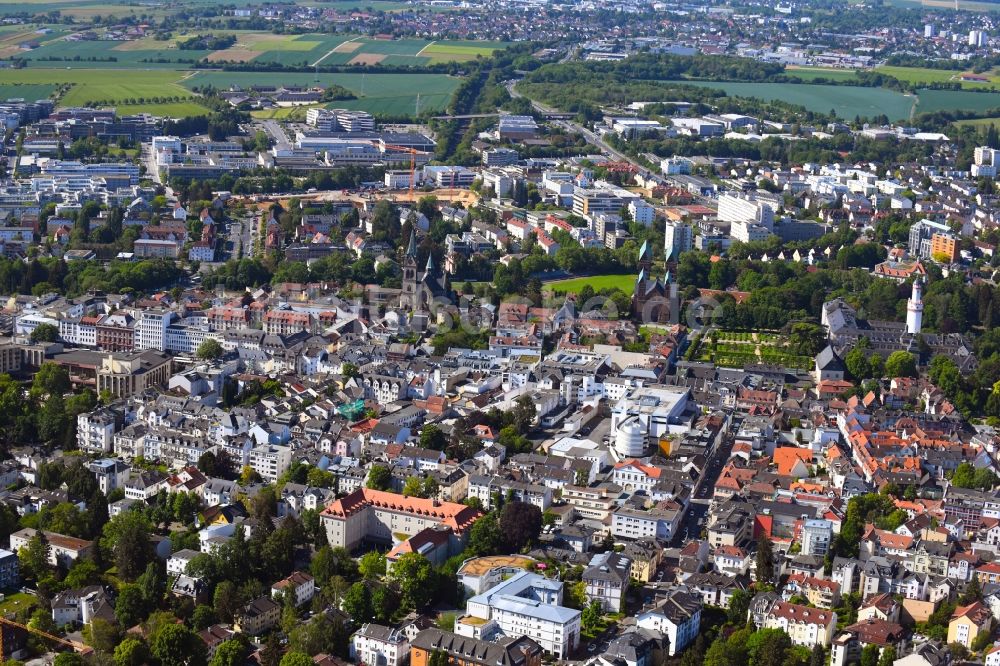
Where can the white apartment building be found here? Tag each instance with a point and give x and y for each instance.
(679, 238)
(185, 337)
(656, 523)
(641, 212)
(748, 232)
(95, 431)
(816, 536)
(633, 475)
(525, 604)
(177, 564)
(111, 474)
(270, 461)
(607, 579)
(80, 331)
(745, 208)
(674, 166)
(378, 645)
(678, 617)
(300, 585)
(486, 487)
(804, 625)
(62, 549)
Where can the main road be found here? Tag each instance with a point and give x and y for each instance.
(695, 518)
(592, 137)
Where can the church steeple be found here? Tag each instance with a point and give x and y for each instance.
(429, 270)
(411, 250)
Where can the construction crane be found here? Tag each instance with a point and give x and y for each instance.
(79, 647)
(413, 163)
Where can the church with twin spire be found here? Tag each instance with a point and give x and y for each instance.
(654, 300)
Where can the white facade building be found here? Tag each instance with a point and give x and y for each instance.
(525, 604)
(377, 645)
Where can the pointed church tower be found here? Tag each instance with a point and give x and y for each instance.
(429, 268)
(409, 281)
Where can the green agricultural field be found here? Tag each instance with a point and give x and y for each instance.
(308, 49)
(385, 94)
(847, 101)
(597, 283)
(979, 122)
(924, 75)
(919, 74)
(82, 9)
(315, 49)
(965, 5)
(294, 44)
(948, 100)
(408, 47)
(106, 54)
(458, 51)
(813, 73)
(166, 110)
(92, 85)
(30, 92)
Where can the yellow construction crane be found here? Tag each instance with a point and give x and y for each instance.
(413, 163)
(79, 647)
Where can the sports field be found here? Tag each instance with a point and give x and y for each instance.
(597, 283)
(384, 94)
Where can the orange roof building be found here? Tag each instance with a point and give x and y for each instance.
(793, 461)
(377, 516)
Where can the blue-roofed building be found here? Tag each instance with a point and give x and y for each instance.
(526, 604)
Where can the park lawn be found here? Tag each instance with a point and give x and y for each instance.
(597, 282)
(17, 601)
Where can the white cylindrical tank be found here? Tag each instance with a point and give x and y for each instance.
(630, 440)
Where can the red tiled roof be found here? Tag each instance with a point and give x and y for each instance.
(456, 516)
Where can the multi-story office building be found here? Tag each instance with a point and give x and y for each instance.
(151, 329)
